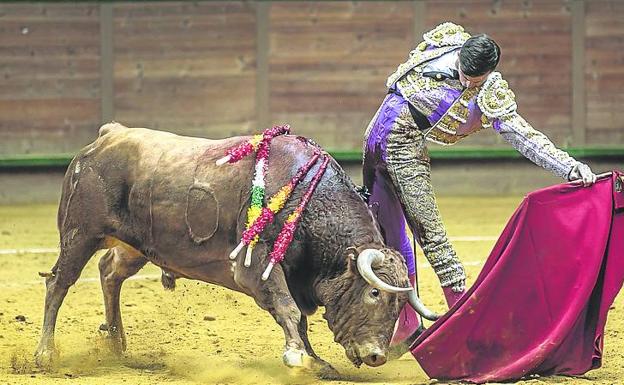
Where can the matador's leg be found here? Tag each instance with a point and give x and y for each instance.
(409, 169)
(384, 201)
(386, 207)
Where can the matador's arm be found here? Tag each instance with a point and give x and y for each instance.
(497, 103)
(534, 145)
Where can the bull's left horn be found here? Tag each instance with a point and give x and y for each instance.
(365, 262)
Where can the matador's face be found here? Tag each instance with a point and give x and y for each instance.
(471, 81)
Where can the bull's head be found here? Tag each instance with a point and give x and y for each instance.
(366, 302)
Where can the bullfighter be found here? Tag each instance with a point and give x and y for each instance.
(446, 90)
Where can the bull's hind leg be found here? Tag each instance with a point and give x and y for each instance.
(118, 264)
(76, 249)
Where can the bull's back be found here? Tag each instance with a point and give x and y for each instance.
(171, 201)
(151, 175)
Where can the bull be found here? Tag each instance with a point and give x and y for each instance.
(152, 196)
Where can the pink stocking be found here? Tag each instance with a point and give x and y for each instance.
(452, 296)
(407, 323)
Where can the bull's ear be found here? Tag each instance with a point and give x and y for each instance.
(351, 254)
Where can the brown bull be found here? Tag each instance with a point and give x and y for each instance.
(151, 196)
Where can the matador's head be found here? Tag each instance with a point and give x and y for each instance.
(478, 57)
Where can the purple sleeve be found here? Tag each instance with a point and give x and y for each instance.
(534, 145)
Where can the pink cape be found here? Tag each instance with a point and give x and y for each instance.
(540, 304)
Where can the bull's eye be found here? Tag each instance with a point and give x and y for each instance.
(375, 292)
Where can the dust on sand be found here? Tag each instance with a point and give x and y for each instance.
(203, 333)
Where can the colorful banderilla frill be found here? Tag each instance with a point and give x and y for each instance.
(257, 193)
(258, 216)
(275, 204)
(237, 153)
(285, 236)
(261, 144)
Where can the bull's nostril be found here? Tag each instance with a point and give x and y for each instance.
(375, 360)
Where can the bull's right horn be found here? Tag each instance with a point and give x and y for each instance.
(373, 257)
(420, 308)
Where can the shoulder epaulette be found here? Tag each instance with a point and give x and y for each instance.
(444, 35)
(495, 98)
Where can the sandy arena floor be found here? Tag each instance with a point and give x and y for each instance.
(205, 334)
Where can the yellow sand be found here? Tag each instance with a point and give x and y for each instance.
(203, 333)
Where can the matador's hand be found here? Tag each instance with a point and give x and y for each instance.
(582, 172)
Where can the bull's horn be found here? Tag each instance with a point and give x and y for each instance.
(365, 262)
(372, 257)
(417, 304)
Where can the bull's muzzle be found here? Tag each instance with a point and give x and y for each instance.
(370, 258)
(374, 357)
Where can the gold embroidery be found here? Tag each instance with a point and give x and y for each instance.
(496, 99)
(445, 130)
(446, 34)
(417, 58)
(418, 83)
(485, 122)
(444, 38)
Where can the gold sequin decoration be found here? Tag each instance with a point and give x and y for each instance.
(496, 98)
(445, 130)
(417, 58)
(446, 34)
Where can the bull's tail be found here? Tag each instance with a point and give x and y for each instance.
(109, 127)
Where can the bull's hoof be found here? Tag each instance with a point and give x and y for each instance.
(115, 345)
(46, 358)
(168, 280)
(297, 358)
(325, 371)
(113, 339)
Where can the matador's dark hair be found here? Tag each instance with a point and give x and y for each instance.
(479, 55)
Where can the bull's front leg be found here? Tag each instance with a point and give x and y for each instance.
(273, 296)
(323, 368)
(286, 313)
